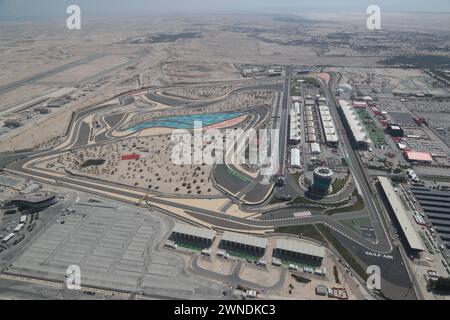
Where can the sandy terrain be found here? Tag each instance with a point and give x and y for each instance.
(218, 265)
(262, 276)
(28, 49)
(88, 69)
(155, 171)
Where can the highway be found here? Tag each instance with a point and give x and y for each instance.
(36, 77)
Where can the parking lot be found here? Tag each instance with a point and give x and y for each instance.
(114, 248)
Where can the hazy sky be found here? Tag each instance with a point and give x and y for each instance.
(27, 9)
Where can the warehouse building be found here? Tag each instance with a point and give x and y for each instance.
(294, 124)
(311, 137)
(33, 202)
(294, 127)
(329, 128)
(314, 148)
(189, 234)
(322, 101)
(354, 125)
(243, 243)
(421, 157)
(396, 209)
(12, 123)
(395, 130)
(299, 251)
(295, 158)
(296, 107)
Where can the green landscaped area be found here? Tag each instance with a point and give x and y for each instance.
(275, 200)
(190, 246)
(308, 230)
(307, 181)
(338, 184)
(302, 200)
(295, 176)
(375, 132)
(300, 264)
(357, 223)
(357, 206)
(295, 89)
(343, 251)
(243, 255)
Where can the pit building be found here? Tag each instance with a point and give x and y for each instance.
(244, 243)
(200, 237)
(299, 251)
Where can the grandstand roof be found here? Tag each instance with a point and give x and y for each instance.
(401, 215)
(245, 239)
(194, 231)
(300, 247)
(357, 128)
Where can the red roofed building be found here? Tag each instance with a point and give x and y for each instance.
(359, 104)
(131, 156)
(414, 156)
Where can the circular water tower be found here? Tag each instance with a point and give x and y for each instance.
(322, 180)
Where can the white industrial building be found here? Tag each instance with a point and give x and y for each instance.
(314, 147)
(297, 107)
(311, 137)
(359, 134)
(8, 237)
(310, 130)
(322, 101)
(294, 124)
(295, 158)
(329, 128)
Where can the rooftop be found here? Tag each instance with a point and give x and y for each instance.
(418, 156)
(400, 213)
(353, 120)
(194, 231)
(244, 239)
(301, 247)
